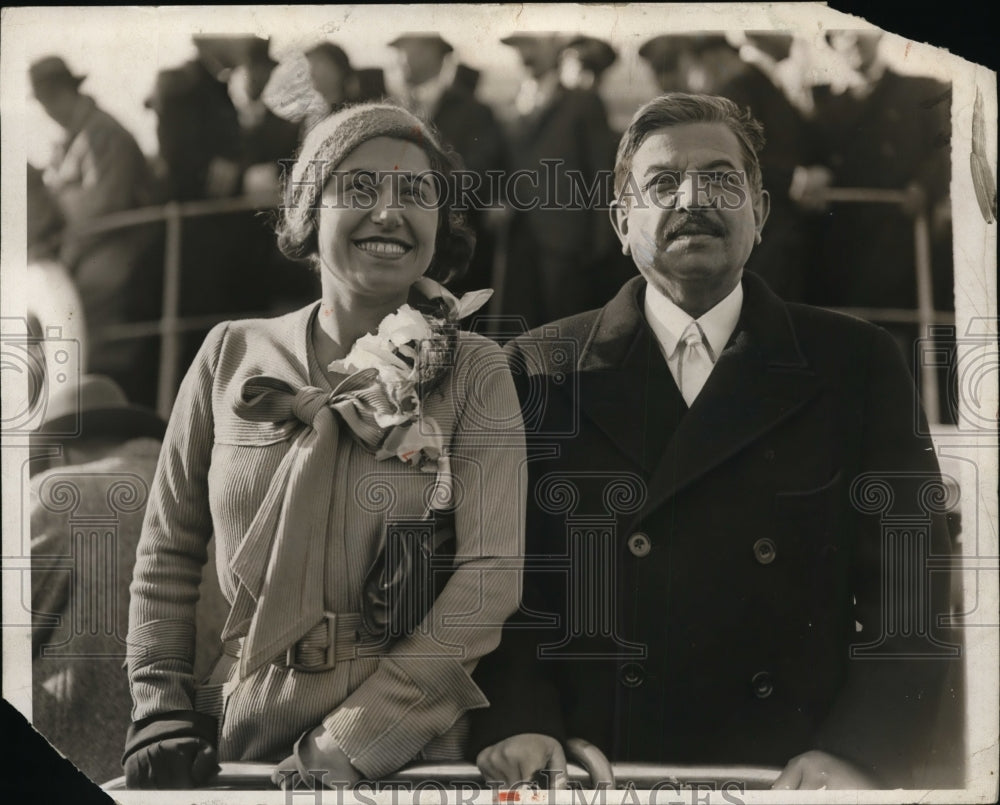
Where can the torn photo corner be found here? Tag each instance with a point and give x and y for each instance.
(791, 580)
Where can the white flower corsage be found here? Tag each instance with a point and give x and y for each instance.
(412, 352)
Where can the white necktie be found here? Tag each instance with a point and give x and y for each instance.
(695, 363)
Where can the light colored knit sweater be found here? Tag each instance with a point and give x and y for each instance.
(214, 471)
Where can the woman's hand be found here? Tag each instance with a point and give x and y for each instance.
(173, 763)
(316, 757)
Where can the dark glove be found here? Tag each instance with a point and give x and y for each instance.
(171, 750)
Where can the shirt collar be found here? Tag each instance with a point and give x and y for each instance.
(669, 322)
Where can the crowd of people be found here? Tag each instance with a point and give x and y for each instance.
(736, 396)
(227, 118)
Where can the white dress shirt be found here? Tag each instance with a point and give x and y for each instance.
(669, 322)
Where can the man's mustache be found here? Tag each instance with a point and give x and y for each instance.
(693, 225)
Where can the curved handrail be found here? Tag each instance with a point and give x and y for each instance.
(639, 776)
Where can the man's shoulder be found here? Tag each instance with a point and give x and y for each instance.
(818, 325)
(548, 344)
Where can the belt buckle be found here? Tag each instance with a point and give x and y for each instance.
(331, 649)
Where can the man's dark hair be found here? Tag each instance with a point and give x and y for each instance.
(677, 108)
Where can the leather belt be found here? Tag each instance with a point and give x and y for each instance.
(334, 639)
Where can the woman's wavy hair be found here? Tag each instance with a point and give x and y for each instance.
(328, 144)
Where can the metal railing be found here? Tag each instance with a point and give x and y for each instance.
(639, 776)
(925, 315)
(171, 325)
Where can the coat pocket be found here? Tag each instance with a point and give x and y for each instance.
(819, 501)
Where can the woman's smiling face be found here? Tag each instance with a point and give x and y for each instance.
(378, 223)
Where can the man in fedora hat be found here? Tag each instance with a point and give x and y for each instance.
(438, 89)
(265, 138)
(94, 458)
(583, 62)
(98, 169)
(557, 244)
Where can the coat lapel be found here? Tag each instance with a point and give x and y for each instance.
(760, 379)
(620, 367)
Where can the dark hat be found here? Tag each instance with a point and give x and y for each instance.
(514, 40)
(98, 408)
(776, 44)
(50, 72)
(595, 54)
(427, 38)
(258, 51)
(662, 49)
(331, 52)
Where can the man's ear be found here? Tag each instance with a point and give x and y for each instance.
(618, 213)
(761, 209)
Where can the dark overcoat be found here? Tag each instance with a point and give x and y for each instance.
(725, 583)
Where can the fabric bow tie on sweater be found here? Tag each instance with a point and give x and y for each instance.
(281, 562)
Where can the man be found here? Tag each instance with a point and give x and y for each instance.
(197, 127)
(707, 580)
(887, 131)
(98, 169)
(331, 75)
(266, 138)
(435, 92)
(86, 510)
(561, 144)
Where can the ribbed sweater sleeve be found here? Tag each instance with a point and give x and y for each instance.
(173, 549)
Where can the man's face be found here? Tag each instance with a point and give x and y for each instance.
(59, 104)
(327, 79)
(687, 216)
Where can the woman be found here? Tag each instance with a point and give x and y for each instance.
(296, 440)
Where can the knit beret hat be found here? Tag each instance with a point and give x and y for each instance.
(328, 144)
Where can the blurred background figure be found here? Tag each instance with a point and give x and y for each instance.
(890, 131)
(332, 76)
(82, 559)
(228, 258)
(555, 253)
(197, 126)
(887, 131)
(662, 54)
(266, 138)
(44, 218)
(97, 169)
(583, 62)
(370, 85)
(436, 89)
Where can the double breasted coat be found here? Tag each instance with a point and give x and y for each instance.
(720, 584)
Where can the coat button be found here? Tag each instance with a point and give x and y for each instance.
(762, 684)
(631, 675)
(764, 551)
(639, 544)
